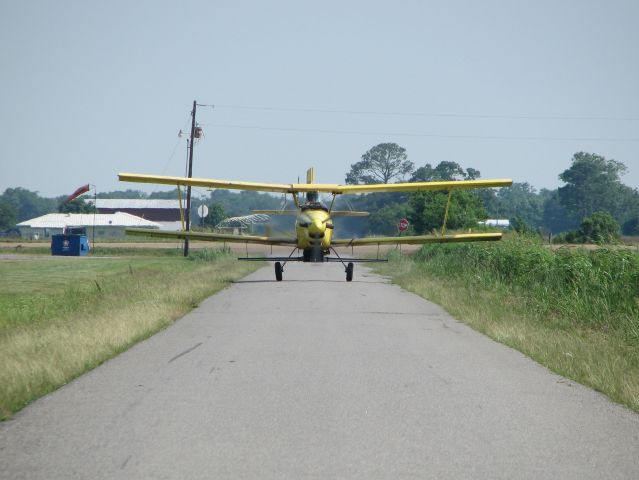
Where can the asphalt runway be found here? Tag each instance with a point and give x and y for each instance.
(314, 377)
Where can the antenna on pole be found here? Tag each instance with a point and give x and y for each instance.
(189, 175)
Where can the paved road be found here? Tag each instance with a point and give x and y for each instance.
(316, 378)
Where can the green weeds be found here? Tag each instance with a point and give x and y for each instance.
(597, 288)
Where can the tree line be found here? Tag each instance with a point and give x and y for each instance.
(592, 185)
(592, 192)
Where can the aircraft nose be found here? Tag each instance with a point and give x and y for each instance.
(316, 229)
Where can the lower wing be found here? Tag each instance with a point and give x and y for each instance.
(417, 239)
(210, 237)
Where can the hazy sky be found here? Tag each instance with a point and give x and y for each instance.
(511, 88)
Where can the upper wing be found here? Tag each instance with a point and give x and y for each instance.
(204, 182)
(418, 239)
(413, 186)
(210, 237)
(311, 187)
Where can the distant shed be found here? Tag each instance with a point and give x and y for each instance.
(496, 222)
(106, 225)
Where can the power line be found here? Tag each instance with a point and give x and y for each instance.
(431, 114)
(428, 135)
(177, 142)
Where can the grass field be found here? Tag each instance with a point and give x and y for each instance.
(575, 311)
(61, 316)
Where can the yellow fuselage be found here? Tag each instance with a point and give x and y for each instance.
(314, 228)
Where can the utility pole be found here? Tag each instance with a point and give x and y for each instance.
(189, 175)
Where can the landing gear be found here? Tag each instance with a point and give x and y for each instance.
(349, 271)
(278, 271)
(313, 254)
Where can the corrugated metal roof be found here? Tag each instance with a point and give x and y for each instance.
(135, 203)
(244, 220)
(61, 220)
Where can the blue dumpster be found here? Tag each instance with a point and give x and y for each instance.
(69, 245)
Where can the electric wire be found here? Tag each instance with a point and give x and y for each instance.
(430, 114)
(427, 135)
(177, 142)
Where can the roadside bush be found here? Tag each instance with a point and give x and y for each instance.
(600, 228)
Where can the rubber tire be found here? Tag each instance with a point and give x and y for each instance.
(278, 271)
(349, 271)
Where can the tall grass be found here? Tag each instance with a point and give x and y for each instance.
(597, 289)
(60, 317)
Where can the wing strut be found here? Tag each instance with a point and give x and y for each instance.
(450, 193)
(181, 209)
(330, 209)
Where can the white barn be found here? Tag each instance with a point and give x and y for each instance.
(106, 225)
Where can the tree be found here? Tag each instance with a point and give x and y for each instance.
(244, 202)
(135, 194)
(555, 218)
(28, 204)
(444, 171)
(592, 184)
(472, 174)
(519, 225)
(169, 195)
(520, 200)
(628, 206)
(381, 164)
(423, 174)
(427, 209)
(385, 220)
(216, 214)
(77, 205)
(600, 227)
(631, 227)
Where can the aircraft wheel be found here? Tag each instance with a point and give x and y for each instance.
(278, 271)
(349, 271)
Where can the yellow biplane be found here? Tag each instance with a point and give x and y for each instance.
(314, 227)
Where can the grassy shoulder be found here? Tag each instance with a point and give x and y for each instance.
(62, 316)
(573, 311)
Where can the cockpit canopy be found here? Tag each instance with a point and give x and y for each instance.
(313, 202)
(313, 206)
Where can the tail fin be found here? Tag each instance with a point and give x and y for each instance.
(310, 175)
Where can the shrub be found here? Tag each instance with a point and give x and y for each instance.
(600, 227)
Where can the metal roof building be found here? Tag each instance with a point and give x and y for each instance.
(164, 212)
(106, 225)
(120, 203)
